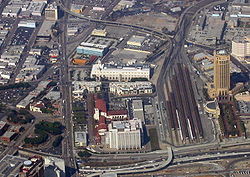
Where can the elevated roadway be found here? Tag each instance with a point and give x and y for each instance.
(150, 167)
(113, 23)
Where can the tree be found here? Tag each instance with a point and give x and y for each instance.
(52, 128)
(46, 111)
(57, 141)
(22, 116)
(52, 84)
(41, 138)
(139, 79)
(15, 86)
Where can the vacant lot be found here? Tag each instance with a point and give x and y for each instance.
(160, 20)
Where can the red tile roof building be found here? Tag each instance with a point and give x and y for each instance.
(102, 114)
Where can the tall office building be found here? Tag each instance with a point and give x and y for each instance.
(221, 73)
(123, 135)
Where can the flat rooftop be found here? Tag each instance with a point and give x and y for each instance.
(45, 29)
(10, 165)
(137, 104)
(137, 39)
(2, 124)
(98, 41)
(80, 136)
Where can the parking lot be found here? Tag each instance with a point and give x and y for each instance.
(12, 95)
(79, 74)
(6, 23)
(22, 36)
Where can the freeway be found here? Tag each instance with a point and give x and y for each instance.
(207, 157)
(112, 23)
(35, 152)
(157, 163)
(149, 167)
(189, 151)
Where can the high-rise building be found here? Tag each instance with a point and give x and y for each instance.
(221, 73)
(51, 12)
(241, 47)
(125, 135)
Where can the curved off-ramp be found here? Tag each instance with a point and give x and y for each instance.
(151, 167)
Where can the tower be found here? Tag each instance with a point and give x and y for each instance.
(221, 73)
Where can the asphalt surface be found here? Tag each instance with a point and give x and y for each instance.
(68, 147)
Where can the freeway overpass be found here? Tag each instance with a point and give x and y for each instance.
(113, 23)
(149, 167)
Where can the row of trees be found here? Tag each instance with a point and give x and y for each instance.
(57, 141)
(20, 117)
(228, 121)
(54, 128)
(79, 114)
(41, 138)
(15, 86)
(42, 130)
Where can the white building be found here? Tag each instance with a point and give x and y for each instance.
(80, 139)
(124, 135)
(99, 32)
(36, 8)
(11, 11)
(72, 29)
(241, 47)
(36, 106)
(29, 98)
(120, 73)
(27, 23)
(44, 34)
(79, 87)
(130, 88)
(98, 8)
(35, 51)
(5, 74)
(123, 4)
(136, 40)
(3, 65)
(29, 73)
